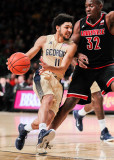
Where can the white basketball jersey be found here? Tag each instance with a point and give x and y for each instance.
(53, 52)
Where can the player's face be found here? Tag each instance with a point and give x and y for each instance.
(66, 30)
(93, 9)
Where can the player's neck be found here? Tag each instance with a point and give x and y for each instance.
(95, 19)
(58, 38)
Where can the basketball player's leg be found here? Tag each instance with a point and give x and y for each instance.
(43, 90)
(45, 117)
(99, 111)
(96, 104)
(79, 115)
(49, 107)
(78, 86)
(63, 112)
(35, 123)
(57, 92)
(89, 107)
(105, 81)
(98, 108)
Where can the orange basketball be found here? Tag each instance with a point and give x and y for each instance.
(18, 63)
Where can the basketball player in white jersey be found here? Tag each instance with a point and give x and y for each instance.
(57, 50)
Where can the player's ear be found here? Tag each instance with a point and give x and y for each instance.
(101, 6)
(57, 28)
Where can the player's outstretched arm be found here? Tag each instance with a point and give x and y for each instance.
(37, 46)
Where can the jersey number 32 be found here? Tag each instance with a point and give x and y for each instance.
(91, 40)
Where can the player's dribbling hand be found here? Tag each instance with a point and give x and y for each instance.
(82, 60)
(44, 66)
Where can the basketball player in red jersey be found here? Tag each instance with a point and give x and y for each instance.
(94, 36)
(98, 102)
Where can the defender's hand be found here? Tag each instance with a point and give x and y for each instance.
(82, 60)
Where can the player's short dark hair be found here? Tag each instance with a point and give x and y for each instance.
(100, 1)
(60, 19)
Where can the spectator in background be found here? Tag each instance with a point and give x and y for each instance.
(30, 82)
(21, 83)
(13, 79)
(6, 94)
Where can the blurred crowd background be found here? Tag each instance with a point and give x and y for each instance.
(21, 23)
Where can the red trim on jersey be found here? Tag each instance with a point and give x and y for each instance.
(110, 81)
(77, 64)
(93, 25)
(100, 67)
(103, 92)
(77, 96)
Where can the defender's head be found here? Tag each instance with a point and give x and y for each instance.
(93, 7)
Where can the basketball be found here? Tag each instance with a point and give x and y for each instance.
(18, 63)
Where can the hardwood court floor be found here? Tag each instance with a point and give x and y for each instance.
(68, 144)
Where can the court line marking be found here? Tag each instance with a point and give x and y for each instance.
(34, 155)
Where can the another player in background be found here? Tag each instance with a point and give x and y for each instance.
(58, 50)
(94, 34)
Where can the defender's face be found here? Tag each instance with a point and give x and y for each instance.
(65, 30)
(92, 8)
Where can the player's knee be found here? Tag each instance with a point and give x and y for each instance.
(48, 100)
(69, 104)
(98, 97)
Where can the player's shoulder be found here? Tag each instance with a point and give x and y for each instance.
(110, 17)
(76, 27)
(83, 19)
(41, 41)
(50, 35)
(50, 38)
(110, 14)
(41, 38)
(71, 44)
(77, 24)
